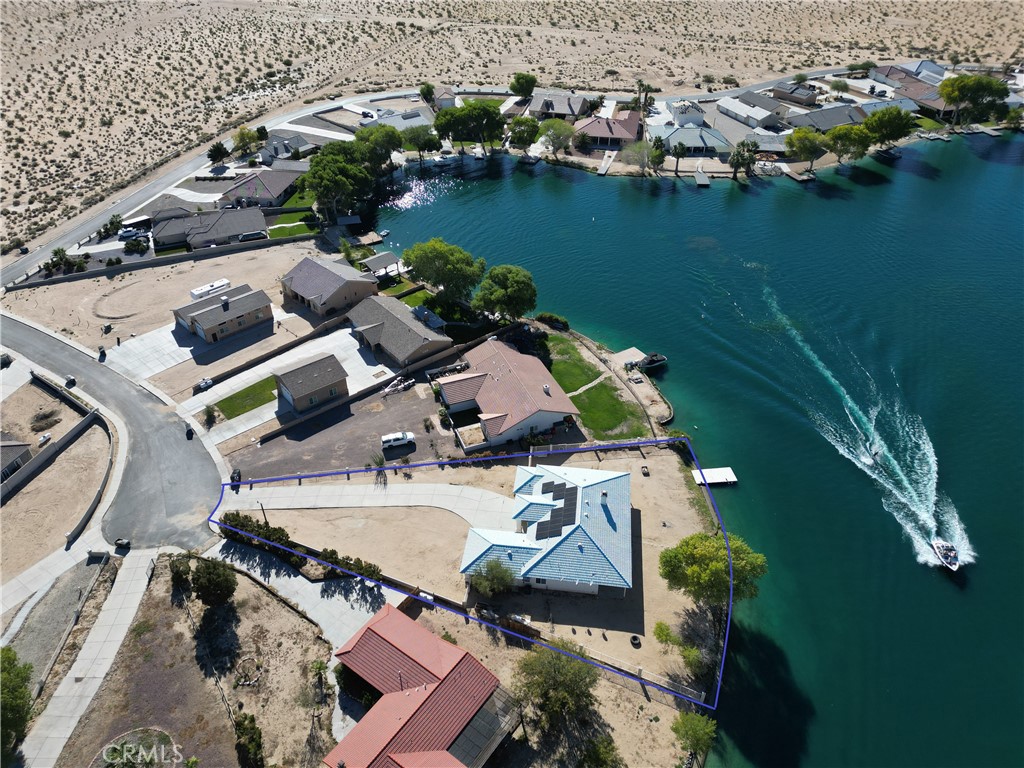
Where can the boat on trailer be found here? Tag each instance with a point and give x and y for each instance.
(947, 553)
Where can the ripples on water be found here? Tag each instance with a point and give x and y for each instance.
(415, 193)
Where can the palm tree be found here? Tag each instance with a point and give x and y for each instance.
(318, 668)
(678, 152)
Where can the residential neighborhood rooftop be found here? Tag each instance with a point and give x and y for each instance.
(312, 374)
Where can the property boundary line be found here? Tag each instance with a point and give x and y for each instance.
(656, 442)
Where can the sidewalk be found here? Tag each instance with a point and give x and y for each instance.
(27, 583)
(478, 507)
(54, 727)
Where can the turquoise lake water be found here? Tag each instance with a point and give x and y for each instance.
(879, 310)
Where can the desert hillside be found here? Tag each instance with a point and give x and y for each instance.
(95, 92)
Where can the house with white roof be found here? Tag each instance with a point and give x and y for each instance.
(686, 112)
(573, 532)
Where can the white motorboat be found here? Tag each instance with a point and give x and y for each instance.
(947, 553)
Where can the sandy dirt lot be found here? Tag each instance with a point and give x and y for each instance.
(139, 302)
(35, 519)
(161, 679)
(72, 140)
(30, 401)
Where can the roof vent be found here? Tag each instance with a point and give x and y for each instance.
(580, 547)
(547, 390)
(224, 301)
(509, 553)
(604, 494)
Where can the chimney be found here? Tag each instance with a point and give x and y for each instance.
(224, 302)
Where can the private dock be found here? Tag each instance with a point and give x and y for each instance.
(606, 163)
(799, 177)
(987, 130)
(718, 476)
(700, 176)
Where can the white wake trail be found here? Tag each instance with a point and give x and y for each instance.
(888, 444)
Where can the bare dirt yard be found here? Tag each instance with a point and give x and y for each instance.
(31, 412)
(82, 122)
(425, 546)
(139, 302)
(640, 726)
(33, 522)
(165, 678)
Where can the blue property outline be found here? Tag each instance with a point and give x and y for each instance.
(454, 462)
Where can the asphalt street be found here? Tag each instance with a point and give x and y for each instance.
(169, 484)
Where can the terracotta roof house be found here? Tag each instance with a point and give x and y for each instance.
(439, 708)
(514, 393)
(822, 120)
(388, 326)
(312, 383)
(924, 94)
(226, 313)
(686, 112)
(327, 286)
(605, 132)
(795, 93)
(207, 228)
(630, 120)
(564, 105)
(267, 188)
(573, 532)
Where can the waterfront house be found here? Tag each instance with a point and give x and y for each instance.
(444, 97)
(381, 262)
(822, 120)
(438, 707)
(421, 115)
(605, 132)
(699, 140)
(326, 286)
(795, 93)
(176, 228)
(390, 328)
(922, 93)
(313, 382)
(284, 147)
(903, 103)
(226, 313)
(571, 532)
(514, 394)
(749, 114)
(686, 112)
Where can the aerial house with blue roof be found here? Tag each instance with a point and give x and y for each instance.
(571, 532)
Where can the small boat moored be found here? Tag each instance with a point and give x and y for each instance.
(650, 361)
(946, 553)
(384, 232)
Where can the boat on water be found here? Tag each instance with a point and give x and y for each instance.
(384, 232)
(947, 553)
(528, 159)
(651, 361)
(890, 153)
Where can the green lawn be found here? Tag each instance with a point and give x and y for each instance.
(295, 229)
(415, 299)
(251, 397)
(568, 367)
(299, 200)
(495, 102)
(172, 251)
(928, 124)
(608, 417)
(290, 218)
(398, 287)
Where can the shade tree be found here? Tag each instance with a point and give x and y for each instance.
(890, 124)
(506, 290)
(445, 266)
(557, 133)
(852, 141)
(805, 144)
(523, 84)
(422, 138)
(523, 131)
(557, 686)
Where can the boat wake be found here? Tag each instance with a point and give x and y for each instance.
(884, 441)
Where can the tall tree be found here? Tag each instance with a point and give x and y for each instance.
(483, 121)
(557, 133)
(15, 700)
(976, 96)
(678, 152)
(695, 732)
(839, 86)
(852, 141)
(890, 124)
(446, 266)
(799, 78)
(523, 131)
(427, 92)
(805, 144)
(218, 153)
(423, 138)
(261, 133)
(243, 140)
(699, 566)
(380, 141)
(640, 154)
(1014, 118)
(452, 124)
(506, 290)
(523, 84)
(214, 582)
(743, 156)
(558, 687)
(337, 184)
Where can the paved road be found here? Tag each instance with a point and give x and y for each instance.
(169, 484)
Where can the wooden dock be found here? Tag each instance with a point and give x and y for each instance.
(700, 176)
(606, 163)
(799, 177)
(717, 476)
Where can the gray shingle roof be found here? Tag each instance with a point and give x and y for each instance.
(388, 322)
(9, 451)
(212, 225)
(317, 279)
(754, 99)
(823, 119)
(313, 374)
(380, 261)
(211, 311)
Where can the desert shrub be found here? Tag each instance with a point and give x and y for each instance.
(550, 319)
(248, 741)
(181, 573)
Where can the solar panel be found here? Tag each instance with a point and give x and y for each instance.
(547, 487)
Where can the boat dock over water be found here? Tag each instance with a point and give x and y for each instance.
(609, 156)
(717, 476)
(700, 176)
(799, 177)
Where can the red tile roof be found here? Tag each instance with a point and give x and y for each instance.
(512, 391)
(604, 128)
(408, 728)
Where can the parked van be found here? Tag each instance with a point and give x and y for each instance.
(396, 439)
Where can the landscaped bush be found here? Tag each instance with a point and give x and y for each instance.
(248, 742)
(270, 534)
(551, 319)
(354, 565)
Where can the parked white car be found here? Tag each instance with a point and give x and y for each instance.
(396, 439)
